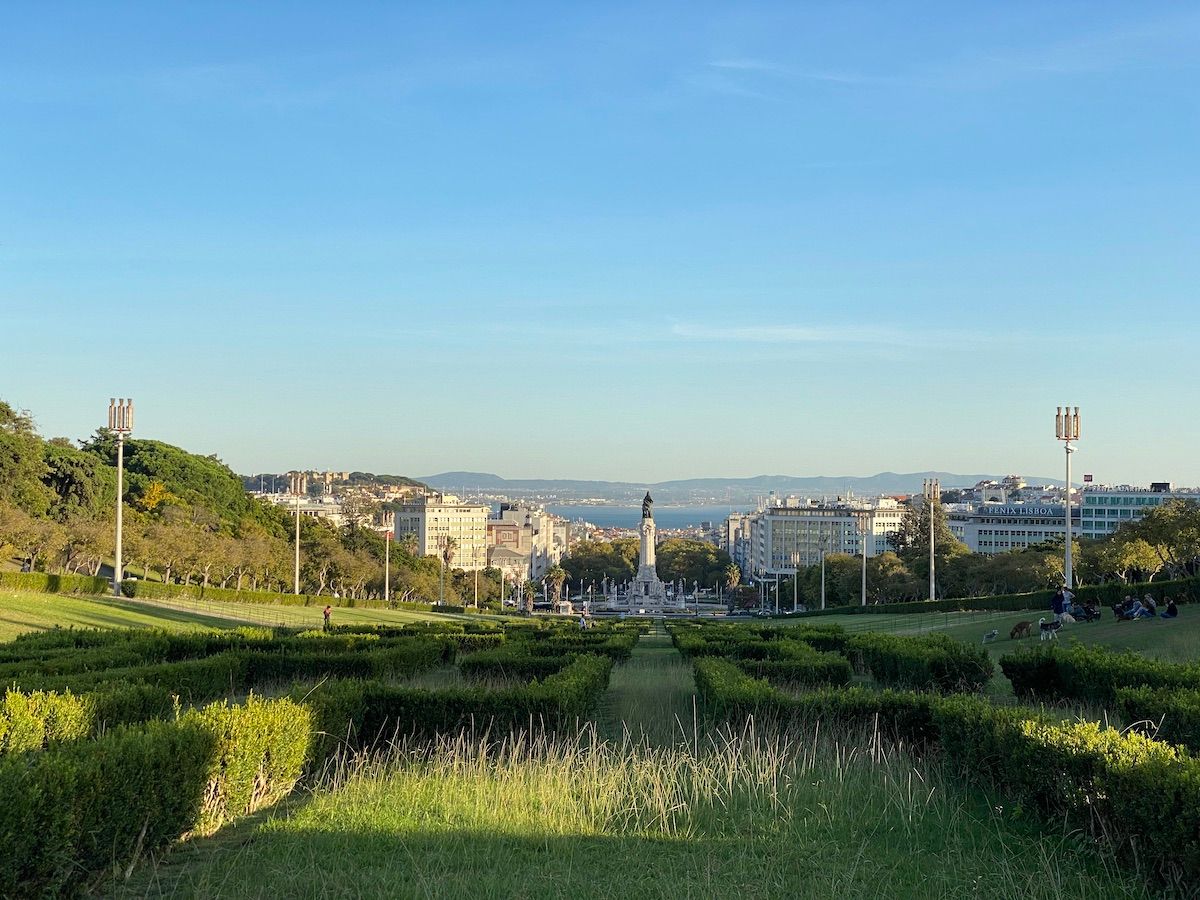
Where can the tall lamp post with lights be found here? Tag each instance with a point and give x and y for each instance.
(120, 423)
(298, 485)
(933, 495)
(1066, 428)
(389, 528)
(862, 518)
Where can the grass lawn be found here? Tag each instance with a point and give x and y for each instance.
(22, 611)
(645, 815)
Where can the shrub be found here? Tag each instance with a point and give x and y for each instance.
(511, 662)
(1090, 674)
(800, 665)
(1167, 715)
(42, 582)
(928, 662)
(75, 810)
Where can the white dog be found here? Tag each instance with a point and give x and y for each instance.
(1049, 630)
(991, 636)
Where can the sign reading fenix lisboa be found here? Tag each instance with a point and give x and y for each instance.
(1026, 511)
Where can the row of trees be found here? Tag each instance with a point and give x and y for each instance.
(1165, 542)
(188, 519)
(677, 558)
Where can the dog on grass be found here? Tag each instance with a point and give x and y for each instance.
(991, 636)
(1020, 630)
(1049, 629)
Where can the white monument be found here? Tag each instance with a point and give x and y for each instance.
(646, 588)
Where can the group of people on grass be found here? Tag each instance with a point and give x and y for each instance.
(1132, 608)
(1063, 604)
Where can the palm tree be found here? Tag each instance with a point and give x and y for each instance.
(733, 575)
(449, 545)
(556, 576)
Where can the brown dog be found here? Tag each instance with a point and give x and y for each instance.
(1020, 630)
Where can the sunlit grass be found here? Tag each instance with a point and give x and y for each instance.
(22, 611)
(745, 815)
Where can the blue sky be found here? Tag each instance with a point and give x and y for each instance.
(617, 241)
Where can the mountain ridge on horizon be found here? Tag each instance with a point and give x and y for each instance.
(710, 487)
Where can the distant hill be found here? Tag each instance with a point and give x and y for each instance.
(699, 490)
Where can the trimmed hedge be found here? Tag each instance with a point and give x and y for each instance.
(38, 720)
(1167, 715)
(357, 714)
(44, 583)
(797, 663)
(928, 662)
(511, 662)
(1139, 798)
(74, 811)
(1090, 674)
(1184, 590)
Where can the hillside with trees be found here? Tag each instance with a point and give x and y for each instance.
(189, 520)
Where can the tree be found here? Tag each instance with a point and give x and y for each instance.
(556, 576)
(733, 575)
(1173, 531)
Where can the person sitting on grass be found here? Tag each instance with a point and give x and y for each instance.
(1172, 611)
(1121, 610)
(1150, 604)
(1138, 611)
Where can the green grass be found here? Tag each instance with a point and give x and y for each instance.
(738, 816)
(651, 698)
(22, 611)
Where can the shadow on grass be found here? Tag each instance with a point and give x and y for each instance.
(300, 862)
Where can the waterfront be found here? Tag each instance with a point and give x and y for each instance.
(603, 516)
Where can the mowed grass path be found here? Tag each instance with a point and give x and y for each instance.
(652, 697)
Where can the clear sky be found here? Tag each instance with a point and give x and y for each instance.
(600, 240)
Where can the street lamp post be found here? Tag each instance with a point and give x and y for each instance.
(298, 485)
(933, 495)
(389, 524)
(1066, 428)
(120, 423)
(863, 519)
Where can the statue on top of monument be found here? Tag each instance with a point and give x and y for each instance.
(646, 504)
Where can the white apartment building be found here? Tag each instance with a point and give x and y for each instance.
(1105, 509)
(433, 518)
(790, 534)
(999, 527)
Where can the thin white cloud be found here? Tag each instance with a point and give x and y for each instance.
(794, 334)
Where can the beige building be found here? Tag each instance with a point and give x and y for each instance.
(434, 518)
(526, 539)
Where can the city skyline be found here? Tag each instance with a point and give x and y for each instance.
(636, 243)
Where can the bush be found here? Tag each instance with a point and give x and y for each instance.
(1184, 590)
(794, 662)
(511, 662)
(73, 811)
(357, 714)
(929, 662)
(1167, 715)
(1090, 674)
(41, 582)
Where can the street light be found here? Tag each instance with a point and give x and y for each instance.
(862, 519)
(389, 524)
(1066, 429)
(933, 494)
(298, 485)
(120, 423)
